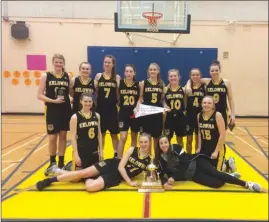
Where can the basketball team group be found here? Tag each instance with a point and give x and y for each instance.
(202, 111)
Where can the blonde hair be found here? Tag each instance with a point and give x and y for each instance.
(211, 97)
(159, 73)
(59, 56)
(174, 70)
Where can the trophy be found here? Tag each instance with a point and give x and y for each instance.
(152, 182)
(60, 93)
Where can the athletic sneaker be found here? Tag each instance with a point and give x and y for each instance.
(254, 186)
(42, 184)
(50, 171)
(231, 165)
(68, 166)
(235, 174)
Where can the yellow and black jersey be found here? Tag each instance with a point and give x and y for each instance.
(107, 92)
(152, 93)
(87, 131)
(129, 95)
(136, 164)
(79, 88)
(219, 92)
(209, 133)
(57, 86)
(174, 98)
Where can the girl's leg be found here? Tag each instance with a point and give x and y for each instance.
(189, 143)
(180, 141)
(94, 185)
(123, 137)
(208, 169)
(69, 177)
(115, 142)
(134, 138)
(61, 148)
(206, 180)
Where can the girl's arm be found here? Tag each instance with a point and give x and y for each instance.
(71, 85)
(41, 90)
(100, 139)
(73, 130)
(118, 78)
(231, 100)
(122, 170)
(185, 98)
(199, 136)
(141, 92)
(163, 98)
(222, 130)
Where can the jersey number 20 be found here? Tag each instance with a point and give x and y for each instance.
(128, 100)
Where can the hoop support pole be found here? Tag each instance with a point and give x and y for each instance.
(129, 36)
(176, 36)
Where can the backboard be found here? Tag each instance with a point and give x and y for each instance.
(134, 16)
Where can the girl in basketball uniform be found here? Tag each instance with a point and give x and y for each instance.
(151, 93)
(176, 165)
(109, 172)
(194, 100)
(174, 98)
(107, 99)
(211, 135)
(129, 94)
(221, 90)
(86, 134)
(82, 83)
(54, 91)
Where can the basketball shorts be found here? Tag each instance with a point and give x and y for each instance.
(109, 172)
(217, 163)
(191, 124)
(125, 122)
(109, 119)
(88, 158)
(57, 117)
(152, 124)
(175, 123)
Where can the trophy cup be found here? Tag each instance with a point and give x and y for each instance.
(60, 93)
(152, 182)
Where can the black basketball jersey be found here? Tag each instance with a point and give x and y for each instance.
(58, 86)
(209, 133)
(194, 101)
(129, 95)
(107, 92)
(136, 164)
(79, 88)
(152, 93)
(219, 93)
(174, 98)
(87, 131)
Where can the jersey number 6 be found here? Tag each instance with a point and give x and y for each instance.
(91, 133)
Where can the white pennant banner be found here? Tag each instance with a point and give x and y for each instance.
(145, 110)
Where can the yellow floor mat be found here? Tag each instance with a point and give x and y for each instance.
(186, 200)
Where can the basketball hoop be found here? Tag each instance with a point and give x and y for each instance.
(152, 18)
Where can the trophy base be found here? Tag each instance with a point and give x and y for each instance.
(151, 187)
(150, 190)
(60, 97)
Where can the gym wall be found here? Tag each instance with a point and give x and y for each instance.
(70, 27)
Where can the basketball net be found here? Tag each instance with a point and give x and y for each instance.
(152, 18)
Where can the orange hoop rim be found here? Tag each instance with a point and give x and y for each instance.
(155, 16)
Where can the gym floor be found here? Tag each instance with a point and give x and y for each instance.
(25, 157)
